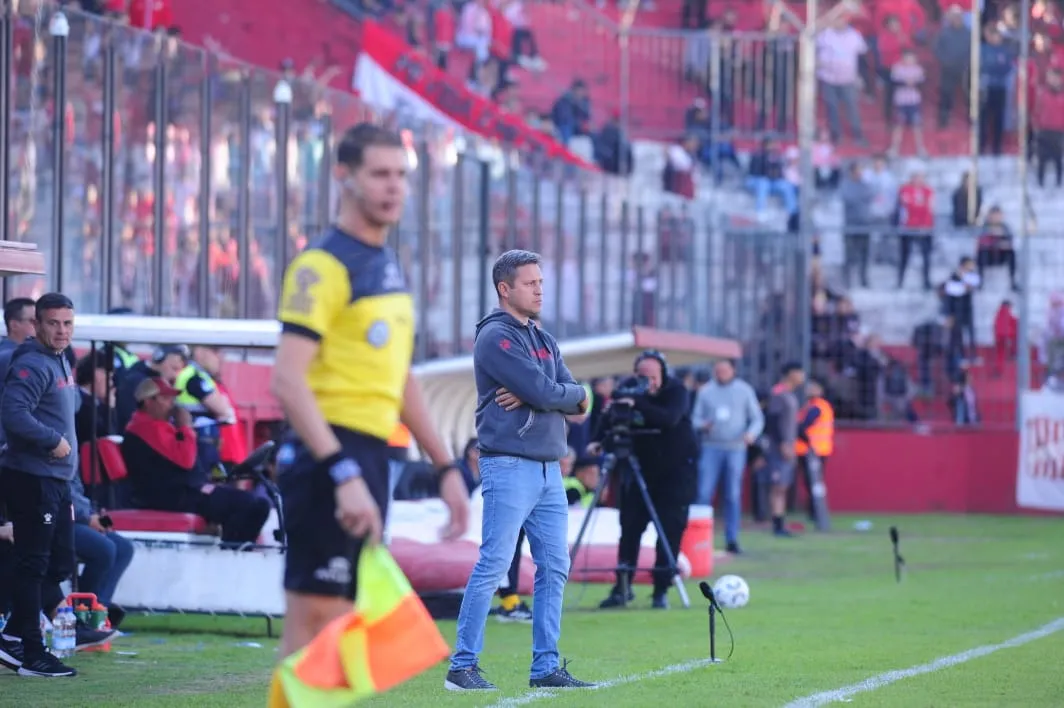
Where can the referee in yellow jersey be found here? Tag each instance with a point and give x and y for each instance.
(342, 376)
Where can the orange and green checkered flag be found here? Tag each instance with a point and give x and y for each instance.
(389, 637)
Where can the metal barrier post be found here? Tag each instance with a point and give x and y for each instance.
(325, 216)
(806, 137)
(107, 165)
(159, 189)
(457, 256)
(282, 100)
(7, 55)
(425, 249)
(581, 256)
(484, 197)
(1023, 367)
(203, 282)
(243, 235)
(974, 110)
(59, 29)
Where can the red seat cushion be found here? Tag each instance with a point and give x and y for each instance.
(157, 521)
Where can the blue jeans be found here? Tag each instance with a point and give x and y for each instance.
(518, 492)
(713, 460)
(763, 188)
(106, 557)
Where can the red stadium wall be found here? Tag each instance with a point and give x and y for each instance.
(899, 470)
(945, 470)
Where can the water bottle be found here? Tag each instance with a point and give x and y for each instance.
(64, 640)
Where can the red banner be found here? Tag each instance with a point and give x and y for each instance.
(451, 97)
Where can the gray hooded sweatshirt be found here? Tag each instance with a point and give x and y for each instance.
(524, 360)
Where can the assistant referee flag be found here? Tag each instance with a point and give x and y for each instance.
(388, 638)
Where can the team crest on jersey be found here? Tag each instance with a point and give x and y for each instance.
(378, 334)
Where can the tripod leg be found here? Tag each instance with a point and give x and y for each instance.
(664, 539)
(607, 467)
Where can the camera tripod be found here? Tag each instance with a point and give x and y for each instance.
(627, 466)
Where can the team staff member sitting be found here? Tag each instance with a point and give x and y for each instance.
(166, 362)
(106, 554)
(164, 473)
(580, 486)
(210, 410)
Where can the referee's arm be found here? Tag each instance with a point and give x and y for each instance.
(316, 287)
(22, 393)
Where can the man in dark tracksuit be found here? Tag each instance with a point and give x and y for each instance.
(37, 415)
(781, 435)
(668, 463)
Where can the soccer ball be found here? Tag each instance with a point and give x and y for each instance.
(731, 592)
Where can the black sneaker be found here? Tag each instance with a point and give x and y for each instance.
(468, 680)
(88, 637)
(11, 654)
(616, 599)
(561, 678)
(521, 613)
(115, 615)
(46, 666)
(733, 548)
(660, 602)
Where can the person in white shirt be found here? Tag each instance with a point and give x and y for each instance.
(838, 53)
(474, 30)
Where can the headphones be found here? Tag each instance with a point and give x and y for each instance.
(656, 356)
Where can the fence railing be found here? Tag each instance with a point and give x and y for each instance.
(180, 183)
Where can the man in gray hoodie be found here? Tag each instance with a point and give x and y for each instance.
(728, 419)
(37, 411)
(524, 393)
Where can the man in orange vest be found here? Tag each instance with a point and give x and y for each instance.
(816, 440)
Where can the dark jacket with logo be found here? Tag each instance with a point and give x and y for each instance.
(37, 410)
(524, 360)
(668, 458)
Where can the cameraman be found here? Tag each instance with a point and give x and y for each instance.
(666, 457)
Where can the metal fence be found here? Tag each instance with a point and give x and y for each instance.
(162, 187)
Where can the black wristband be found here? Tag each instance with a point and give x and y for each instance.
(449, 467)
(331, 460)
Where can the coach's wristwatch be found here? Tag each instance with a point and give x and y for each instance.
(341, 468)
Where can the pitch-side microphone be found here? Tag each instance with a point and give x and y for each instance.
(714, 608)
(899, 562)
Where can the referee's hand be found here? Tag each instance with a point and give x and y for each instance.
(357, 512)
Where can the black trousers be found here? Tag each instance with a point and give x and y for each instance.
(922, 240)
(856, 247)
(241, 514)
(992, 119)
(42, 514)
(1050, 147)
(634, 520)
(513, 575)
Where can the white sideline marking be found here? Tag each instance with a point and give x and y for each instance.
(945, 662)
(547, 694)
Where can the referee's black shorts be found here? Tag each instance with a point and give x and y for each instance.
(322, 558)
